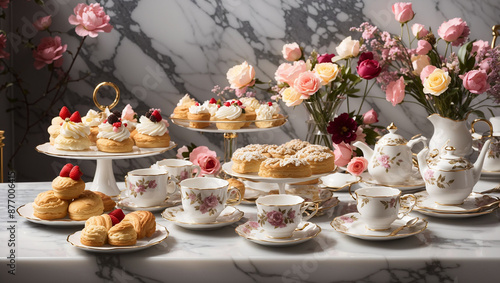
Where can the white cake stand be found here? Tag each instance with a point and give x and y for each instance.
(226, 167)
(104, 179)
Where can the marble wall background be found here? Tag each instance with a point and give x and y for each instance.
(161, 49)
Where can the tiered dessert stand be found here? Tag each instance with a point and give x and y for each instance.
(104, 179)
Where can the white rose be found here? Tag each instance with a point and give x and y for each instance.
(347, 48)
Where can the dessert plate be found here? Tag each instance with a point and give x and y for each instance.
(228, 216)
(414, 183)
(158, 236)
(338, 181)
(26, 211)
(128, 204)
(475, 202)
(350, 224)
(252, 231)
(212, 128)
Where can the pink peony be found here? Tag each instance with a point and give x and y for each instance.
(395, 92)
(384, 161)
(3, 43)
(291, 52)
(43, 23)
(480, 46)
(90, 20)
(475, 81)
(49, 51)
(419, 31)
(343, 153)
(307, 83)
(206, 159)
(275, 218)
(423, 47)
(357, 165)
(370, 117)
(426, 71)
(325, 58)
(180, 151)
(287, 73)
(455, 31)
(402, 12)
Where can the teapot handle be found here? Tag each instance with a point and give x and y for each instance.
(416, 139)
(482, 120)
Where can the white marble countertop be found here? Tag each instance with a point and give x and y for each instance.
(450, 250)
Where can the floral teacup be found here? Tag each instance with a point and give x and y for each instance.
(177, 169)
(280, 215)
(148, 187)
(379, 206)
(204, 198)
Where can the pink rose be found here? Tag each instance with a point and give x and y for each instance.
(90, 20)
(429, 174)
(384, 161)
(3, 43)
(423, 47)
(325, 58)
(486, 64)
(480, 46)
(402, 12)
(455, 31)
(426, 71)
(211, 201)
(395, 92)
(307, 83)
(369, 69)
(476, 81)
(4, 3)
(43, 23)
(129, 114)
(241, 76)
(291, 52)
(419, 30)
(180, 151)
(49, 51)
(206, 159)
(357, 165)
(287, 73)
(275, 218)
(343, 153)
(370, 117)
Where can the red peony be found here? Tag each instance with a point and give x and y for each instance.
(343, 129)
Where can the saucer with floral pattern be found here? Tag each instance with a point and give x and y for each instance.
(177, 215)
(252, 231)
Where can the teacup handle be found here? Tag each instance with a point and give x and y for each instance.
(349, 185)
(233, 202)
(173, 180)
(482, 120)
(304, 208)
(411, 206)
(198, 170)
(350, 192)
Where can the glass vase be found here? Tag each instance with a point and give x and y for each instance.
(320, 114)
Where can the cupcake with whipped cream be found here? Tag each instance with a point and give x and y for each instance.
(73, 134)
(230, 116)
(250, 104)
(114, 136)
(152, 130)
(56, 123)
(182, 108)
(212, 105)
(197, 114)
(268, 115)
(93, 119)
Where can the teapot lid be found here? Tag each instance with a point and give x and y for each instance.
(392, 138)
(448, 161)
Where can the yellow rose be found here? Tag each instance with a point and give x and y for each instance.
(241, 75)
(327, 72)
(437, 82)
(291, 97)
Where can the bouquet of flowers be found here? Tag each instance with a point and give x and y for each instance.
(451, 84)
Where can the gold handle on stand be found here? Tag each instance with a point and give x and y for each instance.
(495, 30)
(115, 102)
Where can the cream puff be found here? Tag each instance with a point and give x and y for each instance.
(47, 206)
(74, 135)
(182, 108)
(55, 125)
(198, 113)
(69, 184)
(230, 116)
(88, 204)
(268, 115)
(109, 204)
(93, 119)
(113, 136)
(152, 130)
(94, 235)
(250, 104)
(122, 234)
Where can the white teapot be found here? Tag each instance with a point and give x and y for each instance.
(492, 159)
(449, 179)
(390, 163)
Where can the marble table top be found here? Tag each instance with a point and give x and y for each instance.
(450, 250)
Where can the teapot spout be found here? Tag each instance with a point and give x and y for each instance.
(367, 151)
(478, 165)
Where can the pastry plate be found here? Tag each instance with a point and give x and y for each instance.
(226, 167)
(455, 215)
(228, 216)
(338, 182)
(413, 184)
(350, 224)
(26, 211)
(93, 153)
(475, 202)
(212, 128)
(127, 203)
(158, 236)
(252, 231)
